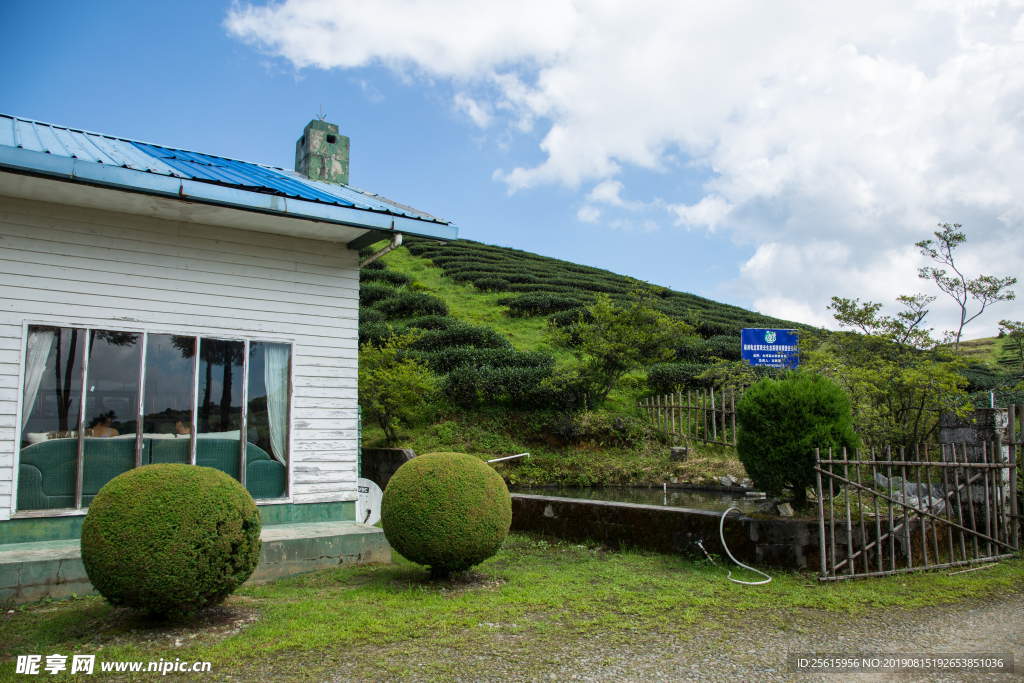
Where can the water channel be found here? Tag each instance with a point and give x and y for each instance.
(681, 498)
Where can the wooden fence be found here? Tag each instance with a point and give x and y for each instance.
(708, 415)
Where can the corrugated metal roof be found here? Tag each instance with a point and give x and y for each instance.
(146, 157)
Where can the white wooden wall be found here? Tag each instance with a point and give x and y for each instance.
(88, 268)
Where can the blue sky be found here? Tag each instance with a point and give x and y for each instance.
(753, 167)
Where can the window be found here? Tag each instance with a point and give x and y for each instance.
(99, 402)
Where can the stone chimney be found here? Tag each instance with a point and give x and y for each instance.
(322, 154)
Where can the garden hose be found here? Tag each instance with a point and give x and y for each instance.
(721, 534)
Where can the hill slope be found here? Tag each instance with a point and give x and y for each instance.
(522, 283)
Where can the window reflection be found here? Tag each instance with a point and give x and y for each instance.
(111, 408)
(167, 397)
(218, 436)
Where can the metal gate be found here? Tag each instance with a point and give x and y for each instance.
(894, 512)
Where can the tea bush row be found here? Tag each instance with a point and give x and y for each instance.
(393, 278)
(538, 304)
(446, 360)
(518, 387)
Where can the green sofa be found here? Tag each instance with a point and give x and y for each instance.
(47, 470)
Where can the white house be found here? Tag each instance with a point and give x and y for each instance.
(160, 305)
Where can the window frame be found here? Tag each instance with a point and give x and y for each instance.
(247, 340)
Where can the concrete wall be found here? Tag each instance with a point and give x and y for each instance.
(380, 463)
(776, 542)
(84, 267)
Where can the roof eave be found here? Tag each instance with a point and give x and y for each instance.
(87, 172)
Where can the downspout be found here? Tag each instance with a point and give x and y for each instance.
(396, 242)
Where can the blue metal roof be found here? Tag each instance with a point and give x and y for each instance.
(96, 149)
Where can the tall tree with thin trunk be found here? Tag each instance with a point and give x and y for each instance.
(984, 290)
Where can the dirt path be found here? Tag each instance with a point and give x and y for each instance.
(745, 647)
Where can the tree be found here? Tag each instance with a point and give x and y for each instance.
(984, 289)
(393, 388)
(897, 376)
(609, 340)
(1012, 332)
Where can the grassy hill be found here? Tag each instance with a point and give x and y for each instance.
(482, 313)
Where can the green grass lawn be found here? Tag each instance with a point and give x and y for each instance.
(542, 591)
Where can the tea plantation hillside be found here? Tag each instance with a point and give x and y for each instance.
(538, 285)
(482, 313)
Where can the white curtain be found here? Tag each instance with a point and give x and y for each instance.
(39, 343)
(275, 374)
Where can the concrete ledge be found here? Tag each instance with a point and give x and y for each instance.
(292, 549)
(54, 569)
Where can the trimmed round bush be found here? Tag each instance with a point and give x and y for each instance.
(779, 423)
(448, 511)
(170, 539)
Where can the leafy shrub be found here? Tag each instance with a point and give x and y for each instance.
(491, 284)
(446, 360)
(371, 293)
(370, 315)
(571, 317)
(461, 334)
(780, 423)
(408, 304)
(376, 334)
(375, 265)
(448, 511)
(391, 277)
(170, 539)
(668, 378)
(393, 387)
(538, 304)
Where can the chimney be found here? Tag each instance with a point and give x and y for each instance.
(322, 154)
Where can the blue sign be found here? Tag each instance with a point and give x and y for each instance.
(774, 348)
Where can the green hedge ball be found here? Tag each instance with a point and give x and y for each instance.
(170, 539)
(448, 511)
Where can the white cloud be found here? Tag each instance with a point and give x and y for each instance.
(471, 108)
(835, 134)
(708, 212)
(588, 213)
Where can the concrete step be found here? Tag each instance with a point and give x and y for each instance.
(53, 569)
